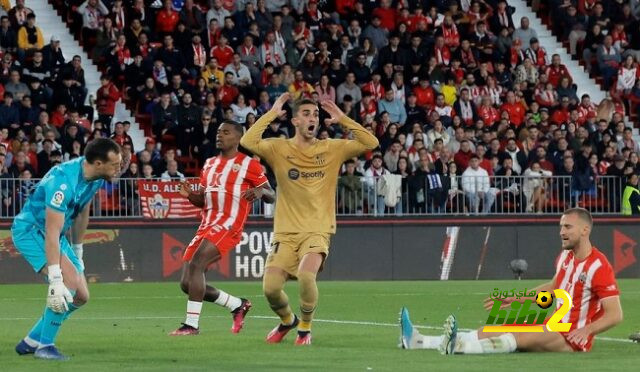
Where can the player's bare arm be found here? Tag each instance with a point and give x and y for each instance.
(196, 198)
(612, 317)
(264, 192)
(53, 227)
(252, 139)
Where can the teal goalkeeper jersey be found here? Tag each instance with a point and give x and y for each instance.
(62, 189)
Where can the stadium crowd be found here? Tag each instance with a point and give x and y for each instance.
(470, 110)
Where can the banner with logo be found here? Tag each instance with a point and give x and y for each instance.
(160, 199)
(153, 252)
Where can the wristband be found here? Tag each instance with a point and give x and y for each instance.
(55, 273)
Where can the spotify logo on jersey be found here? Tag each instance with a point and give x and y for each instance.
(294, 174)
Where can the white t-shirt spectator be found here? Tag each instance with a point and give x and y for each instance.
(475, 180)
(167, 177)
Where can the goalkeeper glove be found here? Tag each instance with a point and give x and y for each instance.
(58, 296)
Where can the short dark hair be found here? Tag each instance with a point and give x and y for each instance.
(99, 149)
(237, 126)
(582, 213)
(300, 103)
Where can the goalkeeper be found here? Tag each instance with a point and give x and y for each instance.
(60, 203)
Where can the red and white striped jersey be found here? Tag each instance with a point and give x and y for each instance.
(223, 181)
(587, 282)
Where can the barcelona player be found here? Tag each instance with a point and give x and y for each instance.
(229, 183)
(306, 170)
(581, 270)
(59, 204)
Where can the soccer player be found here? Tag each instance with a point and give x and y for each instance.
(306, 171)
(581, 270)
(59, 204)
(229, 183)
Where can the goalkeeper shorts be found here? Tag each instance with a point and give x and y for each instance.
(30, 243)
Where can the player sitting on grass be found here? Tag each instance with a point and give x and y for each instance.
(306, 170)
(60, 203)
(229, 183)
(581, 270)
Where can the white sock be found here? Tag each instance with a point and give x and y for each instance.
(193, 313)
(428, 342)
(502, 344)
(228, 301)
(434, 342)
(469, 336)
(31, 342)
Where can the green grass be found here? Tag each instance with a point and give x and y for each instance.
(125, 326)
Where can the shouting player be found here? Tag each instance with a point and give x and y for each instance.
(306, 171)
(59, 203)
(581, 270)
(229, 183)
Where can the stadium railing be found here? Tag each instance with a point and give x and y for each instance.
(370, 197)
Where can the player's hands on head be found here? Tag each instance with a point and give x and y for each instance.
(333, 110)
(279, 103)
(253, 194)
(185, 189)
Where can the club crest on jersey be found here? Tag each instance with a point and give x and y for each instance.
(320, 160)
(57, 199)
(236, 167)
(159, 206)
(582, 278)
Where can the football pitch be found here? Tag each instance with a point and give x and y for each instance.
(125, 327)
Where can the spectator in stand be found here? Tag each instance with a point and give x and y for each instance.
(525, 34)
(476, 185)
(106, 97)
(16, 87)
(93, 13)
(8, 36)
(9, 113)
(534, 187)
(609, 60)
(20, 163)
(18, 14)
(394, 107)
(167, 19)
(120, 135)
(172, 172)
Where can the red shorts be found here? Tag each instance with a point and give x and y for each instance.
(225, 240)
(574, 346)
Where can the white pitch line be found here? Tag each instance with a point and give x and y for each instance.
(263, 317)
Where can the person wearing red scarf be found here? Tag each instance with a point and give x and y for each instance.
(374, 87)
(442, 52)
(449, 32)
